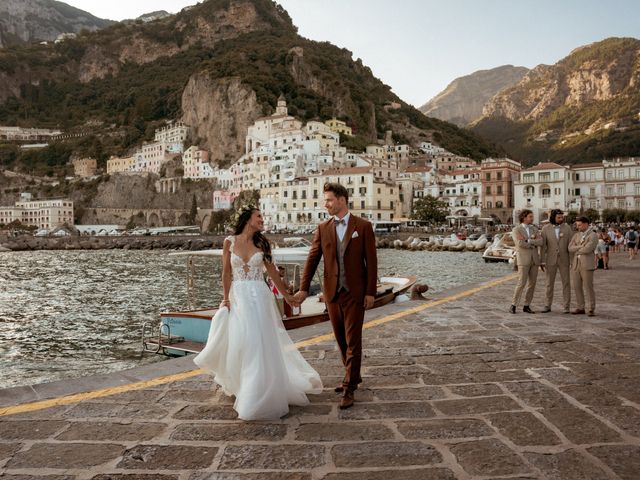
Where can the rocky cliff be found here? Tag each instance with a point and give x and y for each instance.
(583, 108)
(27, 21)
(220, 110)
(464, 98)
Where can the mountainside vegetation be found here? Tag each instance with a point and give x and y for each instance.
(120, 82)
(582, 109)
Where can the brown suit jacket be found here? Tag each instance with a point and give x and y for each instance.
(583, 247)
(526, 251)
(555, 251)
(360, 259)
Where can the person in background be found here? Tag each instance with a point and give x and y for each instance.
(555, 257)
(582, 246)
(632, 242)
(527, 240)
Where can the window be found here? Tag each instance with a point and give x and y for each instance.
(488, 190)
(362, 204)
(487, 176)
(577, 192)
(488, 204)
(621, 204)
(546, 192)
(528, 178)
(499, 189)
(621, 189)
(610, 192)
(545, 177)
(499, 174)
(379, 204)
(592, 192)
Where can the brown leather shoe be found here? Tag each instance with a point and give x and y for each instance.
(347, 400)
(340, 388)
(591, 313)
(578, 311)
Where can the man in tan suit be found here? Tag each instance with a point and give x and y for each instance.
(527, 240)
(348, 246)
(582, 246)
(555, 257)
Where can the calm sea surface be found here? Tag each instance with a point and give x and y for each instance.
(70, 314)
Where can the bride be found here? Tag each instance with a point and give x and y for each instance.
(249, 352)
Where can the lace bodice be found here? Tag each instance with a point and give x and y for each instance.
(252, 270)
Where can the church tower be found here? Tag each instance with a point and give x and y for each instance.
(281, 109)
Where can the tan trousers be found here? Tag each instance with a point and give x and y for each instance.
(527, 276)
(566, 284)
(583, 279)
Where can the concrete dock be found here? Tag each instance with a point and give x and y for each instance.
(454, 388)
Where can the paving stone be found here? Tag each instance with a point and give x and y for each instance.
(488, 457)
(93, 410)
(624, 460)
(591, 395)
(444, 428)
(167, 457)
(330, 396)
(134, 476)
(567, 465)
(29, 429)
(295, 410)
(579, 426)
(140, 411)
(505, 376)
(625, 418)
(229, 432)
(188, 396)
(467, 406)
(337, 432)
(112, 431)
(250, 476)
(418, 393)
(522, 364)
(378, 361)
(276, 457)
(403, 370)
(475, 390)
(37, 477)
(523, 428)
(134, 396)
(509, 355)
(537, 395)
(560, 376)
(396, 474)
(8, 449)
(368, 411)
(206, 412)
(65, 455)
(384, 454)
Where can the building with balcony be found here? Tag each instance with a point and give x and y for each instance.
(542, 188)
(622, 183)
(195, 163)
(42, 214)
(498, 176)
(121, 165)
(338, 126)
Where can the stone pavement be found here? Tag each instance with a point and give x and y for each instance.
(461, 390)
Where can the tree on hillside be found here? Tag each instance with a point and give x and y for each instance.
(193, 213)
(430, 209)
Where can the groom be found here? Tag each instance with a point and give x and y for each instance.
(348, 246)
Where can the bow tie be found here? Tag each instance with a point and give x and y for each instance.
(342, 221)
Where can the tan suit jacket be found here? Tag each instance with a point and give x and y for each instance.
(360, 259)
(583, 246)
(527, 246)
(555, 251)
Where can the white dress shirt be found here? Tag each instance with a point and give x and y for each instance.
(341, 228)
(557, 230)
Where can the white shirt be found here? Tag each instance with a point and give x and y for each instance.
(342, 229)
(526, 229)
(557, 229)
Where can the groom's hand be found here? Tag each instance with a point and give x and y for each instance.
(300, 296)
(368, 301)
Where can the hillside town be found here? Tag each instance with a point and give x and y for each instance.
(288, 163)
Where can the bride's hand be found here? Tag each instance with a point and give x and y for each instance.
(291, 301)
(225, 303)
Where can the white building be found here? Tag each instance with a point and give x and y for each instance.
(173, 135)
(622, 183)
(588, 187)
(121, 165)
(431, 149)
(542, 188)
(46, 214)
(460, 189)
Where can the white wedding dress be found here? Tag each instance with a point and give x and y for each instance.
(249, 352)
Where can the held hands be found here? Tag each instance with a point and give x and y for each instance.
(225, 304)
(291, 300)
(368, 301)
(300, 297)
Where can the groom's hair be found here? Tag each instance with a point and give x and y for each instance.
(337, 189)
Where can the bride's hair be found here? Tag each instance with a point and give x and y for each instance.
(259, 240)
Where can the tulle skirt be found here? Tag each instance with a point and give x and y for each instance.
(250, 355)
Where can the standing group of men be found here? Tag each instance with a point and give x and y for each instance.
(555, 249)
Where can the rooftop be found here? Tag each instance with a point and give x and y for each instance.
(545, 166)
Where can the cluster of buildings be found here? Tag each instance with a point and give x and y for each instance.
(288, 162)
(42, 214)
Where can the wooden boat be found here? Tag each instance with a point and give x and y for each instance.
(183, 332)
(502, 249)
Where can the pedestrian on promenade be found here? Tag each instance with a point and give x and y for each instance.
(527, 240)
(602, 250)
(248, 350)
(348, 245)
(632, 242)
(556, 236)
(582, 246)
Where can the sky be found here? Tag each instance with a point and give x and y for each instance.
(418, 47)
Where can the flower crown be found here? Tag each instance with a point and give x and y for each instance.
(235, 218)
